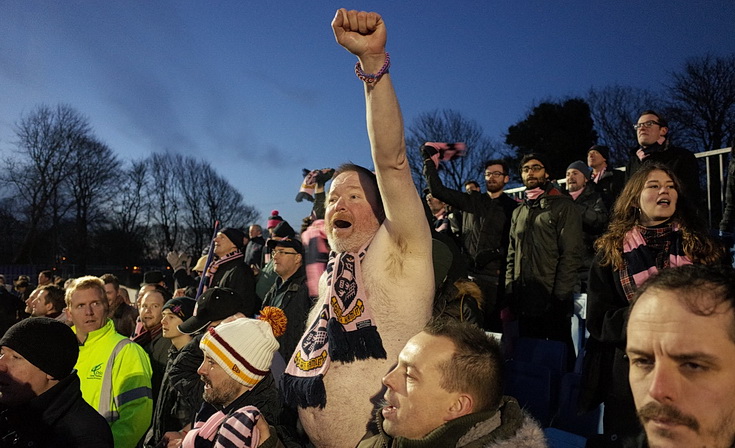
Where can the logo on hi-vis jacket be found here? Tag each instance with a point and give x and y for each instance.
(95, 373)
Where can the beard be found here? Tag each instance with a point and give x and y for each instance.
(223, 394)
(361, 234)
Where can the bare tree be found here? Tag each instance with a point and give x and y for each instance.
(702, 102)
(92, 168)
(614, 110)
(47, 138)
(164, 202)
(449, 126)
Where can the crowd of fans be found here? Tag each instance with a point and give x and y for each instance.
(280, 337)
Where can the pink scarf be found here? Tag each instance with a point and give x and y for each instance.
(343, 331)
(240, 427)
(534, 193)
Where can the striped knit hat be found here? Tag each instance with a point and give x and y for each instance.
(244, 348)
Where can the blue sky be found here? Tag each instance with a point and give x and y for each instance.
(261, 90)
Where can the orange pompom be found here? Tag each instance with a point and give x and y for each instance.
(276, 318)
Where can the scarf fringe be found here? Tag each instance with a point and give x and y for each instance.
(347, 346)
(305, 392)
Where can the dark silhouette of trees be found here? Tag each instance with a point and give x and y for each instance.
(701, 103)
(614, 110)
(47, 138)
(561, 131)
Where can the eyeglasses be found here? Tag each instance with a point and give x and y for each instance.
(495, 174)
(534, 168)
(282, 252)
(646, 124)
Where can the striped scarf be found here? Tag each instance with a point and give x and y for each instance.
(344, 331)
(648, 249)
(234, 255)
(223, 431)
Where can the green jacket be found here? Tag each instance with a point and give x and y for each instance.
(507, 427)
(130, 405)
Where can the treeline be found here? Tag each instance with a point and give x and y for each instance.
(71, 199)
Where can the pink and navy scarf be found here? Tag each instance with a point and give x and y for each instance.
(646, 250)
(221, 430)
(234, 255)
(343, 331)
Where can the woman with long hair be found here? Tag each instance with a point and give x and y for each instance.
(653, 226)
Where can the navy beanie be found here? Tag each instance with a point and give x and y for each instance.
(46, 343)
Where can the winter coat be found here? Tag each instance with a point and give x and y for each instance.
(237, 275)
(485, 222)
(610, 185)
(58, 418)
(292, 296)
(509, 427)
(544, 253)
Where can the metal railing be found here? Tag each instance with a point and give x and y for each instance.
(715, 167)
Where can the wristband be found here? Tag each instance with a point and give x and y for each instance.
(369, 77)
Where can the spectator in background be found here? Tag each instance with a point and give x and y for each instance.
(654, 146)
(151, 339)
(592, 208)
(544, 257)
(290, 292)
(11, 310)
(172, 411)
(228, 270)
(273, 221)
(49, 302)
(254, 249)
(653, 227)
(115, 372)
(123, 316)
(471, 185)
(266, 275)
(608, 180)
(45, 278)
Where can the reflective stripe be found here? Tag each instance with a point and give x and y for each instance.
(106, 390)
(133, 394)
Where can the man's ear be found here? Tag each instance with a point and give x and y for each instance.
(664, 131)
(463, 404)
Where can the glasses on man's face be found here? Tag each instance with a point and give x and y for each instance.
(494, 174)
(532, 168)
(646, 124)
(282, 252)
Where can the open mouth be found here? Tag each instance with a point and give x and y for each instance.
(341, 224)
(663, 202)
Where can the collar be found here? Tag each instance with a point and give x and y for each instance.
(96, 335)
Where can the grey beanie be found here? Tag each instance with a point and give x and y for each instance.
(582, 168)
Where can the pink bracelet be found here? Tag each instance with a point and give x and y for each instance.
(369, 77)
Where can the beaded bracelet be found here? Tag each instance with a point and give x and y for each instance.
(369, 77)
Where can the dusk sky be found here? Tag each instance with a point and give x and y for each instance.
(262, 90)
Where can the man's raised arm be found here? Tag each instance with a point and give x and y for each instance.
(364, 35)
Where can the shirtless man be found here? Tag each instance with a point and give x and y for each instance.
(397, 272)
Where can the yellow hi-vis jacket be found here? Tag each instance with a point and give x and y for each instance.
(123, 367)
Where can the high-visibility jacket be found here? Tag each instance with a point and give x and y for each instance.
(125, 400)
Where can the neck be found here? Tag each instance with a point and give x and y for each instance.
(598, 168)
(495, 194)
(180, 341)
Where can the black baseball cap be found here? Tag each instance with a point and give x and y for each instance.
(286, 242)
(215, 304)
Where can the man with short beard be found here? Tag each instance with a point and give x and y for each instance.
(544, 256)
(594, 213)
(237, 408)
(485, 227)
(380, 273)
(681, 349)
